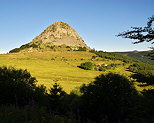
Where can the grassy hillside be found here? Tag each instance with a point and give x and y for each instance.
(49, 67)
(62, 67)
(139, 55)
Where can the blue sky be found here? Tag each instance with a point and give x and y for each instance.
(96, 21)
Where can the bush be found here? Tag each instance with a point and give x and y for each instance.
(82, 49)
(87, 66)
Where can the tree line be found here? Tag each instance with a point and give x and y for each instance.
(110, 98)
(113, 56)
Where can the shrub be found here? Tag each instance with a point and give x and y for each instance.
(82, 49)
(102, 68)
(87, 65)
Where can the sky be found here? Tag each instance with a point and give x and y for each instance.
(96, 21)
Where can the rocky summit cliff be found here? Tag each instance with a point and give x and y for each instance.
(57, 36)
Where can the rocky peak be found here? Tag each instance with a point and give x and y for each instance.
(60, 33)
(58, 36)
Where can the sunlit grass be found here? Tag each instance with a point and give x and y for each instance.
(61, 67)
(48, 71)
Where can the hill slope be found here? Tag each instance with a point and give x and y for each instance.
(62, 66)
(142, 56)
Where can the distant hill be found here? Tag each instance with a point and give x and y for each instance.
(143, 56)
(58, 36)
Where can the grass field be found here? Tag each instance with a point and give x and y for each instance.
(61, 67)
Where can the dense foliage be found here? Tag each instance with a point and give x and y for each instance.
(16, 86)
(111, 98)
(143, 72)
(147, 104)
(22, 101)
(29, 114)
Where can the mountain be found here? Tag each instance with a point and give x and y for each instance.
(143, 56)
(58, 36)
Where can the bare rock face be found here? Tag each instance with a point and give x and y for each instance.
(60, 33)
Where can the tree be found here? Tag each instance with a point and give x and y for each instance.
(17, 86)
(110, 98)
(142, 34)
(55, 96)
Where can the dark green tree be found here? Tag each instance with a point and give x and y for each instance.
(17, 86)
(110, 98)
(55, 96)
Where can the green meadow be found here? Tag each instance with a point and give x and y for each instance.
(62, 67)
